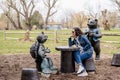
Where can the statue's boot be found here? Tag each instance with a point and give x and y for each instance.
(97, 57)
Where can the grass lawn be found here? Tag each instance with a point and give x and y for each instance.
(13, 46)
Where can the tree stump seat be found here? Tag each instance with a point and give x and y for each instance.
(116, 60)
(89, 65)
(29, 74)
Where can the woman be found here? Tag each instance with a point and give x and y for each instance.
(85, 49)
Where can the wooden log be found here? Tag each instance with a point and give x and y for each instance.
(116, 60)
(89, 65)
(67, 60)
(29, 74)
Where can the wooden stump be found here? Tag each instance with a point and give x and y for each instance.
(29, 74)
(89, 65)
(116, 60)
(26, 37)
(67, 60)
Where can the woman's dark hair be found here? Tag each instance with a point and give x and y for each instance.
(78, 31)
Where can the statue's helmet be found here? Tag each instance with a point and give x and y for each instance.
(92, 23)
(42, 38)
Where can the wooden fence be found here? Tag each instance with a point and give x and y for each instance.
(55, 37)
(5, 33)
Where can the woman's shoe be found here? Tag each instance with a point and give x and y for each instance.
(81, 69)
(84, 73)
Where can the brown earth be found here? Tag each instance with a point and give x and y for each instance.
(11, 67)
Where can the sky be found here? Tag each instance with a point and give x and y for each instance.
(81, 5)
(66, 6)
(84, 5)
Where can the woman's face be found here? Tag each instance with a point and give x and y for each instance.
(73, 34)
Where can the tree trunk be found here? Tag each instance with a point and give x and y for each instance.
(28, 23)
(29, 27)
(12, 21)
(46, 22)
(19, 23)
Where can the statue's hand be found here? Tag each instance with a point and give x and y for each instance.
(41, 53)
(47, 50)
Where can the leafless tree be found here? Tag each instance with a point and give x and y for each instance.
(93, 14)
(50, 4)
(117, 3)
(105, 20)
(9, 13)
(80, 19)
(67, 21)
(26, 9)
(117, 6)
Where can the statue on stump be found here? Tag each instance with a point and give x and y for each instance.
(94, 34)
(38, 51)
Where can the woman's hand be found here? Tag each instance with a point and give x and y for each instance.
(91, 34)
(71, 36)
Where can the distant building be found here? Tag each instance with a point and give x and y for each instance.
(54, 26)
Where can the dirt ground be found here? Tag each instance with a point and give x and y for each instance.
(11, 68)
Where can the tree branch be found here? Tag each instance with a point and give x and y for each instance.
(53, 13)
(32, 3)
(46, 4)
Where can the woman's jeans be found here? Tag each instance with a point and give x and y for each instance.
(79, 57)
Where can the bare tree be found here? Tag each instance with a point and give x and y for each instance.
(9, 13)
(50, 4)
(67, 19)
(13, 3)
(19, 21)
(27, 7)
(105, 20)
(117, 6)
(80, 19)
(93, 14)
(117, 3)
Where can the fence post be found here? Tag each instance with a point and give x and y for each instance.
(4, 35)
(55, 36)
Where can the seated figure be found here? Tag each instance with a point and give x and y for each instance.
(38, 51)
